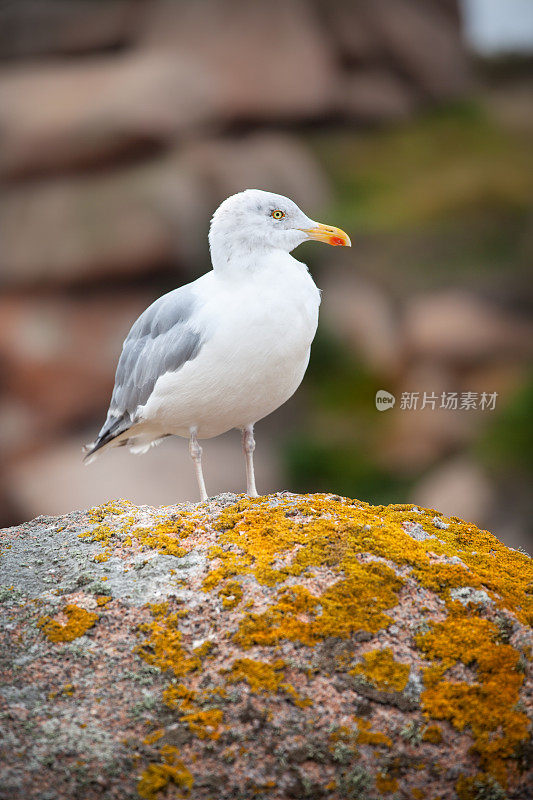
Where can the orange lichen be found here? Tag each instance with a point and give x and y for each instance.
(346, 738)
(154, 736)
(231, 594)
(366, 736)
(163, 536)
(487, 704)
(385, 783)
(296, 697)
(353, 551)
(259, 675)
(478, 786)
(203, 649)
(179, 697)
(231, 564)
(67, 690)
(78, 622)
(418, 794)
(355, 603)
(103, 599)
(259, 534)
(432, 734)
(164, 648)
(382, 671)
(98, 513)
(171, 771)
(328, 533)
(264, 677)
(205, 724)
(219, 691)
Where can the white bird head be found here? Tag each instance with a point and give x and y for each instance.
(255, 221)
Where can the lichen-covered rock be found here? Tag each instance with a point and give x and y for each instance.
(285, 647)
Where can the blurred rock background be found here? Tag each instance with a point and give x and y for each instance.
(123, 123)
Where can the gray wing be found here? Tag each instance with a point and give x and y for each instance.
(161, 340)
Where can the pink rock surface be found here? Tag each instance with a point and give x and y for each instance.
(134, 660)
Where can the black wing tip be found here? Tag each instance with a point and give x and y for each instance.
(90, 450)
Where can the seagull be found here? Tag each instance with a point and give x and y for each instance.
(229, 348)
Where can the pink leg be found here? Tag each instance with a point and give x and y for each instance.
(248, 446)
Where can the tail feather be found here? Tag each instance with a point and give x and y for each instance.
(109, 433)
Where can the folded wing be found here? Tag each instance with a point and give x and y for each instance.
(162, 340)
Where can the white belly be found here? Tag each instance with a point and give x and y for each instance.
(254, 357)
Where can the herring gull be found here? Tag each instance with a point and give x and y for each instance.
(229, 348)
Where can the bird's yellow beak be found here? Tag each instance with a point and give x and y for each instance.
(328, 234)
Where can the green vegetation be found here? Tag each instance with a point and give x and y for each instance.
(444, 200)
(337, 452)
(456, 160)
(509, 439)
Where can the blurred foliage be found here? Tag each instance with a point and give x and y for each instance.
(338, 381)
(337, 451)
(443, 199)
(341, 469)
(447, 196)
(508, 440)
(451, 161)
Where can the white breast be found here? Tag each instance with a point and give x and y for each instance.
(258, 334)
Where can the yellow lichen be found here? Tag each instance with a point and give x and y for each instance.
(103, 599)
(486, 705)
(385, 783)
(477, 787)
(163, 647)
(67, 690)
(154, 736)
(231, 564)
(259, 675)
(265, 677)
(367, 736)
(346, 738)
(163, 536)
(296, 697)
(179, 697)
(78, 622)
(432, 734)
(354, 550)
(99, 513)
(355, 603)
(231, 594)
(382, 671)
(171, 771)
(205, 724)
(203, 649)
(319, 531)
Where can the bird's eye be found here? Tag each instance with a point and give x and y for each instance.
(278, 214)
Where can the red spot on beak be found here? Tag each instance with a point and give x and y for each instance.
(337, 241)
